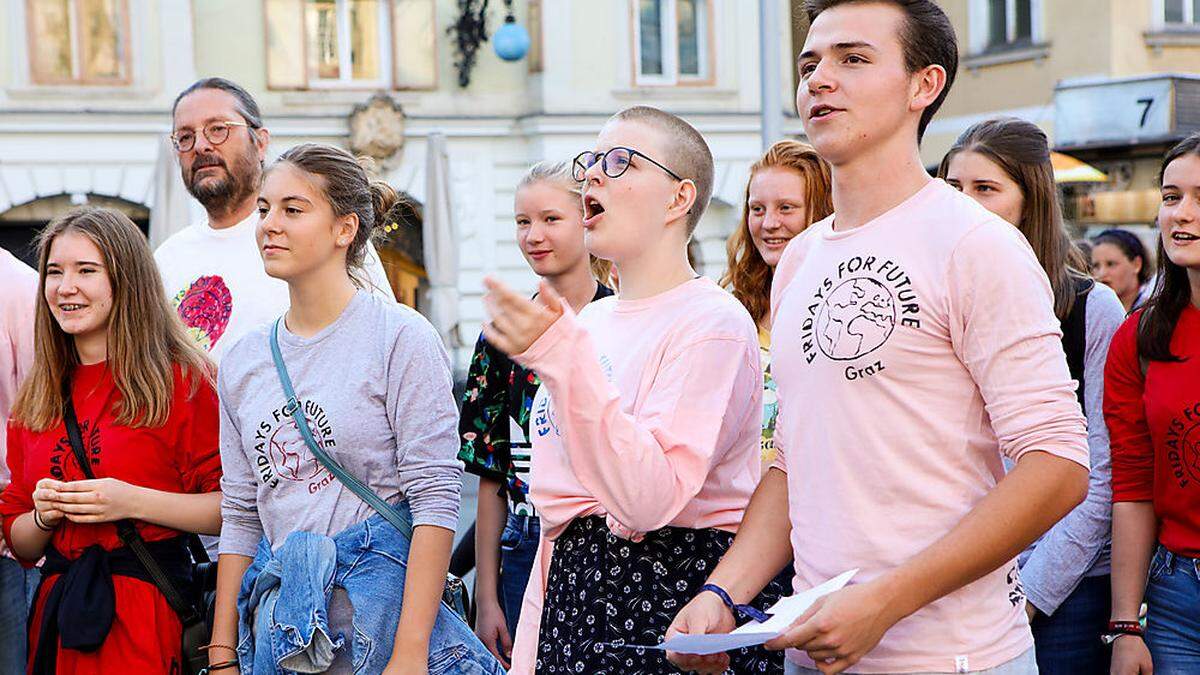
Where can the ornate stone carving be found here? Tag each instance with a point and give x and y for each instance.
(377, 128)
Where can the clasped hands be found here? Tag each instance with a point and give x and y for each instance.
(516, 322)
(101, 500)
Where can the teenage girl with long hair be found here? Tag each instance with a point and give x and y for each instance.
(312, 578)
(1004, 164)
(1152, 405)
(497, 402)
(789, 189)
(110, 348)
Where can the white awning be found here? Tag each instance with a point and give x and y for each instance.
(729, 181)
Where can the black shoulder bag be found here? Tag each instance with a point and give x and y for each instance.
(196, 625)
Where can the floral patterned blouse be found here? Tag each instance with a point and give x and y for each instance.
(770, 399)
(494, 424)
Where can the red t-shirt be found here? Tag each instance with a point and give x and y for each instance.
(181, 456)
(1154, 430)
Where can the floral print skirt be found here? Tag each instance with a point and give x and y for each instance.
(607, 598)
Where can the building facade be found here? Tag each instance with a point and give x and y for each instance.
(86, 90)
(1112, 82)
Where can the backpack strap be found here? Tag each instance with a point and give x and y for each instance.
(1074, 339)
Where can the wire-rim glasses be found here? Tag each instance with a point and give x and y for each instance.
(216, 133)
(614, 162)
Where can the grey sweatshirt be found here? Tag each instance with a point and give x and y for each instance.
(1079, 545)
(375, 386)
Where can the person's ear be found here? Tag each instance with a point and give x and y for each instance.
(262, 138)
(928, 84)
(683, 202)
(345, 230)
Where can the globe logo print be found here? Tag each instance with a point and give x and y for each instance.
(289, 453)
(1190, 447)
(856, 318)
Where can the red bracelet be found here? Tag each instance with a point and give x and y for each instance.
(1118, 628)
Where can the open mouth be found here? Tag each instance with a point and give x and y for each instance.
(71, 307)
(1181, 237)
(822, 111)
(591, 208)
(776, 241)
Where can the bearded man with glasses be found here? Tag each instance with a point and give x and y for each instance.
(213, 270)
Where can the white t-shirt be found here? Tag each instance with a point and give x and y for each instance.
(216, 280)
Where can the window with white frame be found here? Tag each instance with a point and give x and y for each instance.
(672, 41)
(364, 44)
(1009, 23)
(78, 41)
(1181, 13)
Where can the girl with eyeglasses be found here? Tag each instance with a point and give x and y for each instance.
(646, 430)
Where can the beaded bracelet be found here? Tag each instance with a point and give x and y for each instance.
(216, 645)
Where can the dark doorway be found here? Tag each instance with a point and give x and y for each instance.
(20, 225)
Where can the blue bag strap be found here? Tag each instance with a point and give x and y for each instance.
(356, 486)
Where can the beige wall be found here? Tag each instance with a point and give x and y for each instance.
(1080, 37)
(1085, 38)
(240, 54)
(1132, 55)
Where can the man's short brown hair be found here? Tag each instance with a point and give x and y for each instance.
(927, 39)
(687, 153)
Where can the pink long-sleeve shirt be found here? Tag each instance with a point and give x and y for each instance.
(910, 354)
(649, 415)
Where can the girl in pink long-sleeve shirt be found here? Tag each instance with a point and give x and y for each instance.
(646, 431)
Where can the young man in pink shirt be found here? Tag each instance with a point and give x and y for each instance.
(646, 429)
(914, 344)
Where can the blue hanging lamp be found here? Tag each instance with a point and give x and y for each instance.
(511, 41)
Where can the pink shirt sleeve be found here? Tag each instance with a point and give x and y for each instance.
(645, 468)
(1003, 329)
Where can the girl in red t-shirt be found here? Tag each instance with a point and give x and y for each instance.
(1152, 407)
(147, 414)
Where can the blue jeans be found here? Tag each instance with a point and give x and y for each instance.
(518, 549)
(1069, 641)
(283, 606)
(17, 586)
(1173, 619)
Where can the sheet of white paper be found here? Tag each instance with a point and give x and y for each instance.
(783, 614)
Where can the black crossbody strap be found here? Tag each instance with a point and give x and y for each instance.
(126, 530)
